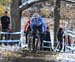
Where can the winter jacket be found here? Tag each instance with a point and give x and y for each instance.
(60, 35)
(27, 26)
(40, 21)
(47, 36)
(5, 21)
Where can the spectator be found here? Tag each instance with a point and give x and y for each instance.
(27, 29)
(47, 38)
(60, 38)
(47, 35)
(37, 23)
(5, 21)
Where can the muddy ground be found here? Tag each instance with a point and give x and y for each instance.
(27, 56)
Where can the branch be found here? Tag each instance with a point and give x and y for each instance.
(28, 4)
(69, 1)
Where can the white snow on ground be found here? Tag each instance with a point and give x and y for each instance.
(66, 57)
(9, 48)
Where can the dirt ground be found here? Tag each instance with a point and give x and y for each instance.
(26, 56)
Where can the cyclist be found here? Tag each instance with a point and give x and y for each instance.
(37, 23)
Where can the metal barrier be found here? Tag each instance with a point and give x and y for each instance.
(71, 34)
(11, 33)
(47, 42)
(9, 41)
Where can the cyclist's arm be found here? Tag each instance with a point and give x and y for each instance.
(44, 25)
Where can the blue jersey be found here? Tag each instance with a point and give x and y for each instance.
(38, 22)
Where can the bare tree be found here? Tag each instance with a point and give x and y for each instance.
(56, 18)
(15, 16)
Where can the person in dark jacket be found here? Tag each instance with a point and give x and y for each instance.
(47, 35)
(60, 38)
(27, 29)
(5, 21)
(47, 38)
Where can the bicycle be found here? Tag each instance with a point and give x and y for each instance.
(37, 44)
(29, 38)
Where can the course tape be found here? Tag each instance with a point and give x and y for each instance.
(9, 40)
(71, 47)
(11, 32)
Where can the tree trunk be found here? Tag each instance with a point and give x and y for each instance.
(15, 17)
(56, 18)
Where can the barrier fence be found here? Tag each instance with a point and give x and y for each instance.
(11, 33)
(14, 33)
(72, 35)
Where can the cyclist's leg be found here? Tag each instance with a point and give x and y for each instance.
(29, 41)
(41, 35)
(33, 45)
(34, 36)
(41, 41)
